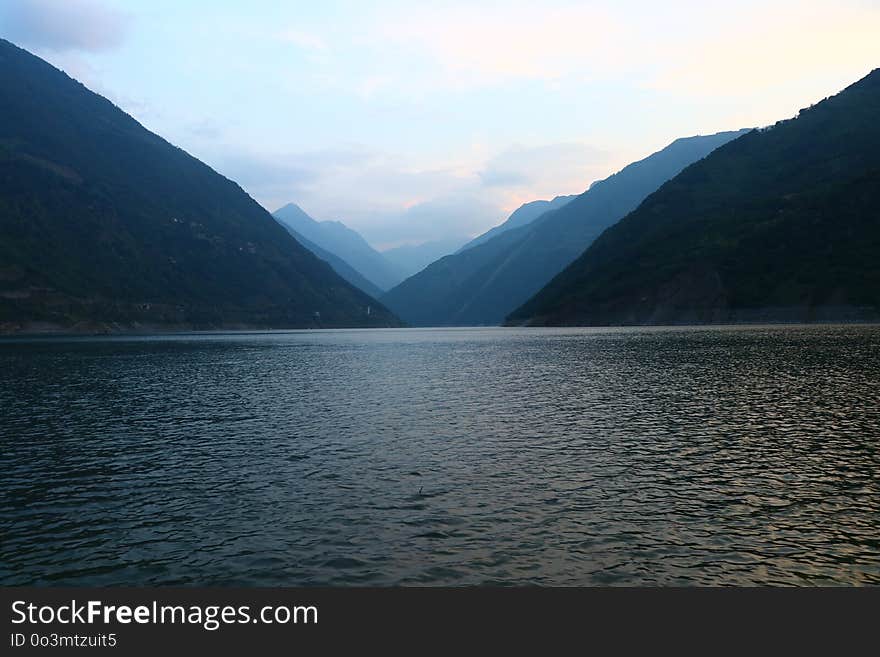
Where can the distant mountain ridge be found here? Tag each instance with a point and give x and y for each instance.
(411, 259)
(106, 226)
(339, 265)
(483, 284)
(522, 216)
(342, 241)
(782, 224)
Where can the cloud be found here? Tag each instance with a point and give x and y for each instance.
(205, 128)
(393, 201)
(783, 43)
(371, 84)
(266, 177)
(546, 166)
(63, 25)
(274, 179)
(390, 200)
(491, 44)
(304, 40)
(689, 47)
(459, 215)
(501, 177)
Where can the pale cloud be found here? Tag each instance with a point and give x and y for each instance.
(307, 178)
(542, 166)
(388, 198)
(63, 25)
(265, 177)
(463, 110)
(503, 176)
(477, 45)
(781, 44)
(698, 48)
(462, 215)
(205, 129)
(392, 200)
(304, 40)
(386, 187)
(372, 84)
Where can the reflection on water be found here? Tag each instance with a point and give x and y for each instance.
(502, 456)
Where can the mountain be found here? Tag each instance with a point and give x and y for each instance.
(411, 259)
(105, 225)
(523, 215)
(339, 239)
(339, 265)
(481, 285)
(782, 224)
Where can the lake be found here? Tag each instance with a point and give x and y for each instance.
(667, 456)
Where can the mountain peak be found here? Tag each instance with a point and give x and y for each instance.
(483, 282)
(779, 225)
(344, 242)
(103, 223)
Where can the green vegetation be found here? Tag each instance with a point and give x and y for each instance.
(482, 284)
(782, 224)
(104, 224)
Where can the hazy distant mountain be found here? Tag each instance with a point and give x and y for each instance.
(782, 224)
(410, 260)
(523, 215)
(481, 285)
(339, 265)
(103, 225)
(339, 239)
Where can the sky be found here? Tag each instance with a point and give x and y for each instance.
(413, 121)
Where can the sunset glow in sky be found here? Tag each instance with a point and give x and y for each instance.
(412, 122)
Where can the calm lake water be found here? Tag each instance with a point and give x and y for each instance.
(456, 457)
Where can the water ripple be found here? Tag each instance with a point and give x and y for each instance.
(457, 457)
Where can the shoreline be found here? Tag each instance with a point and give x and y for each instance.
(238, 329)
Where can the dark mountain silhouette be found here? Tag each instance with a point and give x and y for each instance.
(523, 215)
(105, 225)
(782, 224)
(481, 285)
(342, 241)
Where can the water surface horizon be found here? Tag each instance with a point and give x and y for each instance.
(456, 456)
